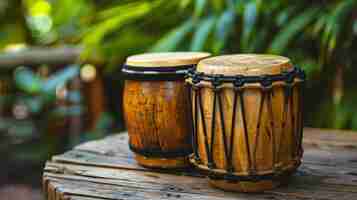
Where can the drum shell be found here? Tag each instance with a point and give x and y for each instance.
(156, 116)
(274, 140)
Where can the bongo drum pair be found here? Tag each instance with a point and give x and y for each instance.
(244, 119)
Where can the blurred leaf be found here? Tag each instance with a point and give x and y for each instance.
(258, 43)
(71, 18)
(284, 15)
(332, 43)
(249, 20)
(94, 37)
(295, 27)
(27, 80)
(74, 96)
(310, 66)
(217, 5)
(199, 7)
(354, 121)
(203, 30)
(66, 10)
(11, 34)
(355, 27)
(225, 25)
(35, 104)
(60, 78)
(342, 116)
(67, 111)
(21, 129)
(231, 4)
(335, 22)
(185, 3)
(170, 41)
(319, 25)
(105, 121)
(120, 9)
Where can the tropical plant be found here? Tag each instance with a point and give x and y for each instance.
(319, 36)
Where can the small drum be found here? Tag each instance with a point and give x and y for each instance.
(156, 107)
(247, 117)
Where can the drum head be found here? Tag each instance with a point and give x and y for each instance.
(166, 59)
(245, 64)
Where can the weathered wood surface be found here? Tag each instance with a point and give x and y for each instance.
(105, 169)
(50, 56)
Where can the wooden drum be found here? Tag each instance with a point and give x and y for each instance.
(156, 107)
(247, 117)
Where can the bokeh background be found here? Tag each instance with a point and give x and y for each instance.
(60, 61)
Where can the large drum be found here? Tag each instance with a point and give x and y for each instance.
(247, 117)
(156, 107)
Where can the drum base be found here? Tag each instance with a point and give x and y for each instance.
(245, 186)
(162, 163)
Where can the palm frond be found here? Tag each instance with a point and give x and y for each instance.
(294, 28)
(171, 40)
(202, 32)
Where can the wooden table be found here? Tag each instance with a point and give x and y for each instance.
(105, 169)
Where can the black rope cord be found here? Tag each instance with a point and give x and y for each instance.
(159, 153)
(238, 82)
(161, 73)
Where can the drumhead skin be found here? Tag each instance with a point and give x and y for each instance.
(245, 64)
(156, 108)
(247, 111)
(166, 59)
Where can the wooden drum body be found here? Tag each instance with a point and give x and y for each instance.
(247, 117)
(156, 108)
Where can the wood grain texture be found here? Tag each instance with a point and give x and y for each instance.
(156, 112)
(244, 64)
(106, 169)
(156, 115)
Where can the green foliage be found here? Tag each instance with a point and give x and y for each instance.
(202, 32)
(27, 80)
(223, 28)
(293, 28)
(32, 83)
(172, 39)
(318, 36)
(112, 21)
